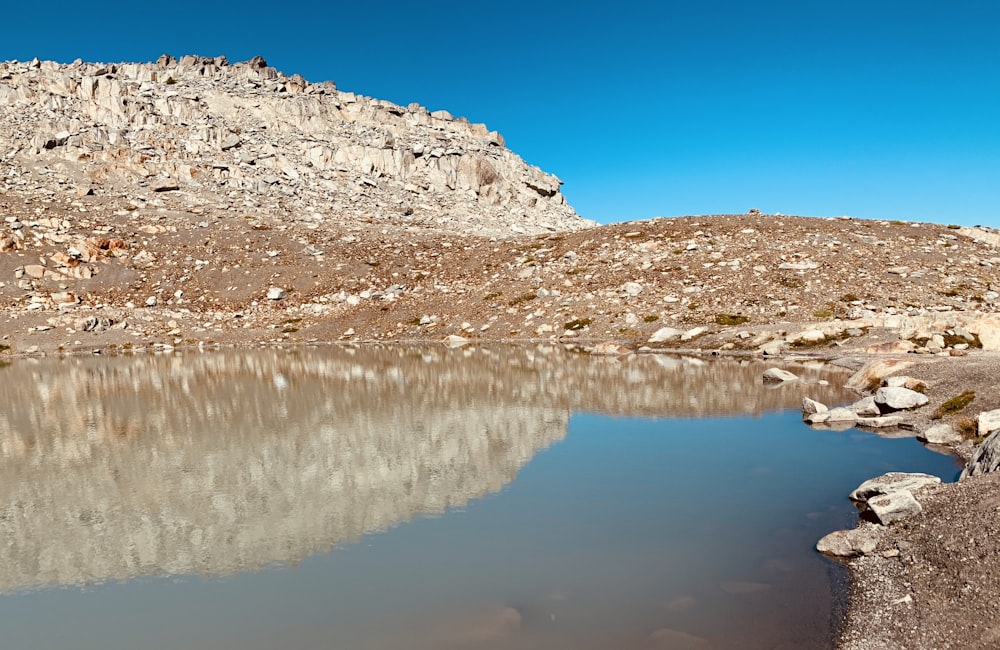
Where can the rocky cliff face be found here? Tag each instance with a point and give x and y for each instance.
(212, 136)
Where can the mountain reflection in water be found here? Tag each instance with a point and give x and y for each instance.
(221, 462)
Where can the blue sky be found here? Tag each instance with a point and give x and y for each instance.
(878, 109)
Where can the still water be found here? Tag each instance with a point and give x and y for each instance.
(422, 498)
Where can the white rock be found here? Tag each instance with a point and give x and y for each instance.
(811, 406)
(898, 399)
(940, 434)
(665, 334)
(866, 408)
(151, 301)
(632, 288)
(888, 508)
(892, 482)
(693, 332)
(275, 293)
(809, 336)
(988, 422)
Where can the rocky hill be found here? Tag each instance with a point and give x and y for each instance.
(244, 138)
(193, 202)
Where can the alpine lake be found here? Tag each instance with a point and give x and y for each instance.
(424, 498)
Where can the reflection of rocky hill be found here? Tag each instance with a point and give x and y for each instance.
(227, 461)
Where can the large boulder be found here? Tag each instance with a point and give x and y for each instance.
(897, 398)
(986, 458)
(874, 371)
(665, 334)
(988, 422)
(889, 497)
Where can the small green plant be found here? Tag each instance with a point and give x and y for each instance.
(822, 313)
(577, 324)
(954, 405)
(730, 319)
(651, 318)
(953, 226)
(525, 297)
(491, 296)
(170, 81)
(897, 222)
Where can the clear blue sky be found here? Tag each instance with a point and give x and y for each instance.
(875, 108)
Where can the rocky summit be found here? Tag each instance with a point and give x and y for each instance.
(210, 136)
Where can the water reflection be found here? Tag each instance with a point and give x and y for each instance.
(229, 461)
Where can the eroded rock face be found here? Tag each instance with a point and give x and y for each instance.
(199, 129)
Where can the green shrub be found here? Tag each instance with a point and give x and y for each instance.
(954, 405)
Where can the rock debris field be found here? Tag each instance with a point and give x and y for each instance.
(194, 202)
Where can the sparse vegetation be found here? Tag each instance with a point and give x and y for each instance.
(492, 295)
(730, 319)
(524, 297)
(577, 324)
(822, 313)
(954, 405)
(968, 428)
(953, 226)
(651, 318)
(791, 282)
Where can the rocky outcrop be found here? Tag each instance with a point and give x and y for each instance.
(210, 134)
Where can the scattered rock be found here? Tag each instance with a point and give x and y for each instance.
(275, 293)
(850, 543)
(811, 407)
(891, 399)
(940, 434)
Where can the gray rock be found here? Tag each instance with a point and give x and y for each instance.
(986, 457)
(866, 408)
(940, 434)
(838, 415)
(880, 422)
(777, 375)
(849, 543)
(809, 336)
(772, 348)
(811, 407)
(988, 422)
(888, 508)
(275, 293)
(665, 334)
(897, 399)
(892, 482)
(693, 332)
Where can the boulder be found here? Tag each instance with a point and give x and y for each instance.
(693, 332)
(892, 482)
(777, 376)
(665, 334)
(849, 543)
(811, 407)
(839, 415)
(809, 336)
(772, 348)
(985, 459)
(880, 422)
(988, 422)
(887, 508)
(940, 434)
(875, 370)
(275, 293)
(891, 399)
(866, 408)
